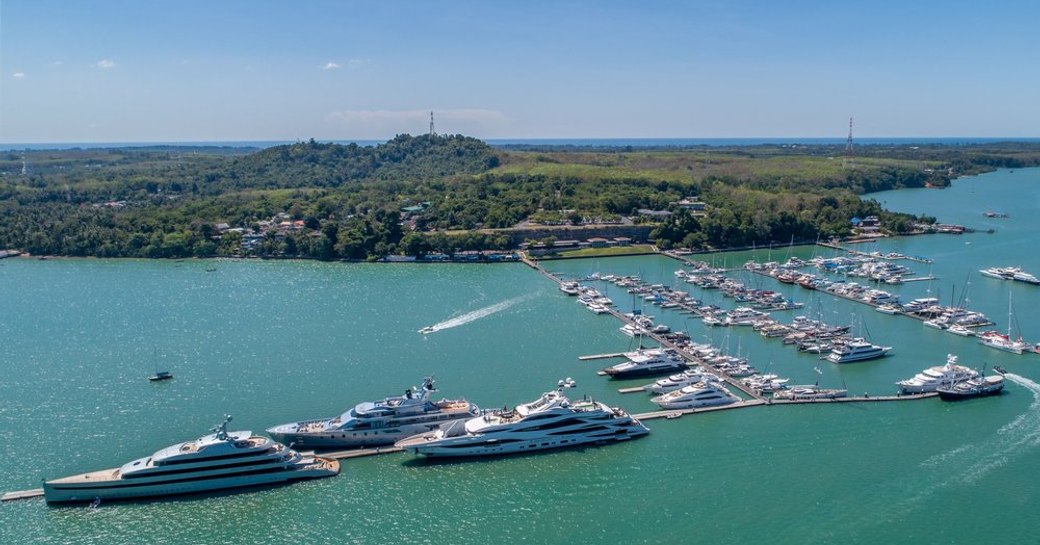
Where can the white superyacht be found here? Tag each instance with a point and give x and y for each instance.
(214, 462)
(932, 378)
(551, 421)
(377, 423)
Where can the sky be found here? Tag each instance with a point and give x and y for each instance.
(236, 70)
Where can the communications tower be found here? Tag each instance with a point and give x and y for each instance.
(432, 132)
(848, 148)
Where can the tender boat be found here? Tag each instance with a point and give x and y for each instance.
(427, 330)
(220, 461)
(857, 350)
(376, 423)
(552, 421)
(976, 387)
(935, 377)
(702, 394)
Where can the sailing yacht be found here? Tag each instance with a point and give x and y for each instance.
(1001, 341)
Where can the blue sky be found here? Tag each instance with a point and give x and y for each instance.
(125, 71)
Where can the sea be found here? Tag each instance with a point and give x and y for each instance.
(270, 342)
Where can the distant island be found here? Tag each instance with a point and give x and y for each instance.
(435, 196)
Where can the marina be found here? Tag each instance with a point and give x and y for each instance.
(332, 365)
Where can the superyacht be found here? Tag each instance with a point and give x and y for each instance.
(703, 394)
(932, 378)
(857, 350)
(214, 462)
(644, 363)
(376, 423)
(551, 421)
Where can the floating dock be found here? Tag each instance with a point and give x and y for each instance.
(22, 494)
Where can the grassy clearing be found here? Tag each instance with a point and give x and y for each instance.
(611, 251)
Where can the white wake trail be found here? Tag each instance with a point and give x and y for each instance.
(964, 465)
(474, 315)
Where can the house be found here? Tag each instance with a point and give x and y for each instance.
(598, 242)
(691, 204)
(657, 214)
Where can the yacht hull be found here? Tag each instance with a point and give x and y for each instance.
(126, 489)
(479, 446)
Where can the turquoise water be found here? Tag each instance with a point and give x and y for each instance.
(271, 342)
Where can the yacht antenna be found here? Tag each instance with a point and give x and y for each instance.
(221, 429)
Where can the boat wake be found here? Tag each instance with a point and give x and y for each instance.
(473, 315)
(964, 465)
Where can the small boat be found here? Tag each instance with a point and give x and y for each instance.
(999, 370)
(427, 330)
(161, 375)
(958, 329)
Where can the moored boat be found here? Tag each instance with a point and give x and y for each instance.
(550, 422)
(976, 387)
(216, 462)
(376, 423)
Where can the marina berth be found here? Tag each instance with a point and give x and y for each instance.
(938, 376)
(647, 363)
(810, 392)
(701, 394)
(550, 422)
(375, 423)
(680, 380)
(216, 462)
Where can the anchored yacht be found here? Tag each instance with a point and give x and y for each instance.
(551, 421)
(218, 461)
(378, 423)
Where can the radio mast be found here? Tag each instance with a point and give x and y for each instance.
(432, 132)
(848, 148)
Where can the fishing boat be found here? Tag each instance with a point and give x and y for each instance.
(161, 375)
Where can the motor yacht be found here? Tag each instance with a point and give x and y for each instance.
(934, 377)
(680, 380)
(219, 461)
(809, 392)
(857, 350)
(647, 363)
(976, 387)
(552, 421)
(376, 423)
(702, 394)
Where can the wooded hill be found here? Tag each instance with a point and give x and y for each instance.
(347, 201)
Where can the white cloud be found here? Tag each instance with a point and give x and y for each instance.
(18, 75)
(106, 63)
(382, 123)
(56, 63)
(331, 66)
